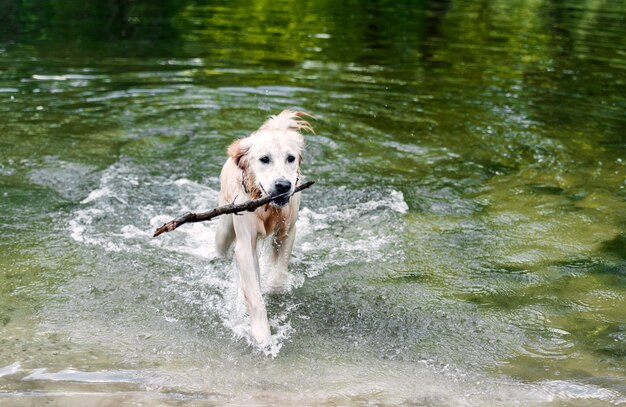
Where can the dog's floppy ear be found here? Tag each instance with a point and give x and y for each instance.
(237, 151)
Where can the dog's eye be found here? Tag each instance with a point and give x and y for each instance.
(265, 159)
(291, 158)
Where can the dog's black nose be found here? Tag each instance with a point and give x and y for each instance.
(282, 186)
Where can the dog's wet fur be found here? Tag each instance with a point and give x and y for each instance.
(265, 163)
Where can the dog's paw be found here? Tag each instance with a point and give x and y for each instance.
(278, 283)
(278, 289)
(260, 332)
(260, 328)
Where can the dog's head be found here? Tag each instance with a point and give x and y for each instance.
(270, 157)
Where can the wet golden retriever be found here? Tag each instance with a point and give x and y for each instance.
(265, 163)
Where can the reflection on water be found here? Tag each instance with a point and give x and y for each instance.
(464, 243)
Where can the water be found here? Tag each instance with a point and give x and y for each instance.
(464, 243)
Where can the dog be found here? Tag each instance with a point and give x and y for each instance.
(267, 162)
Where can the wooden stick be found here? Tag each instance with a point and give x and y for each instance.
(249, 206)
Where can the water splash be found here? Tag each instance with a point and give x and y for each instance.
(114, 216)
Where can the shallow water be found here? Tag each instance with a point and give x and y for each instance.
(464, 243)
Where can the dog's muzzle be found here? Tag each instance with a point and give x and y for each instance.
(281, 186)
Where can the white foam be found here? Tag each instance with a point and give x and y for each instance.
(321, 246)
(133, 232)
(96, 194)
(10, 370)
(398, 203)
(121, 212)
(73, 375)
(569, 390)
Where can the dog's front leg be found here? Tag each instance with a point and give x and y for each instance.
(282, 245)
(248, 264)
(225, 235)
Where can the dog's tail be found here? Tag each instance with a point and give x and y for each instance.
(288, 120)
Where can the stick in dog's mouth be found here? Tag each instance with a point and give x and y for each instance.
(248, 206)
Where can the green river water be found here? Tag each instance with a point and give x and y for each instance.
(464, 245)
